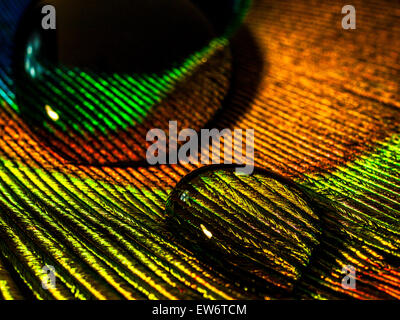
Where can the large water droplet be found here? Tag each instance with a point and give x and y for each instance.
(258, 230)
(111, 71)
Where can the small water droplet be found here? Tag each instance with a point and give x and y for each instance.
(257, 230)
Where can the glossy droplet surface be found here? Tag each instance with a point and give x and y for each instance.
(110, 72)
(259, 230)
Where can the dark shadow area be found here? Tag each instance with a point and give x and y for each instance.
(126, 36)
(245, 51)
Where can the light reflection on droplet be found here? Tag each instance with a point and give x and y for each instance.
(184, 196)
(51, 113)
(206, 231)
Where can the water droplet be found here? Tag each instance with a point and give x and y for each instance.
(257, 230)
(110, 72)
